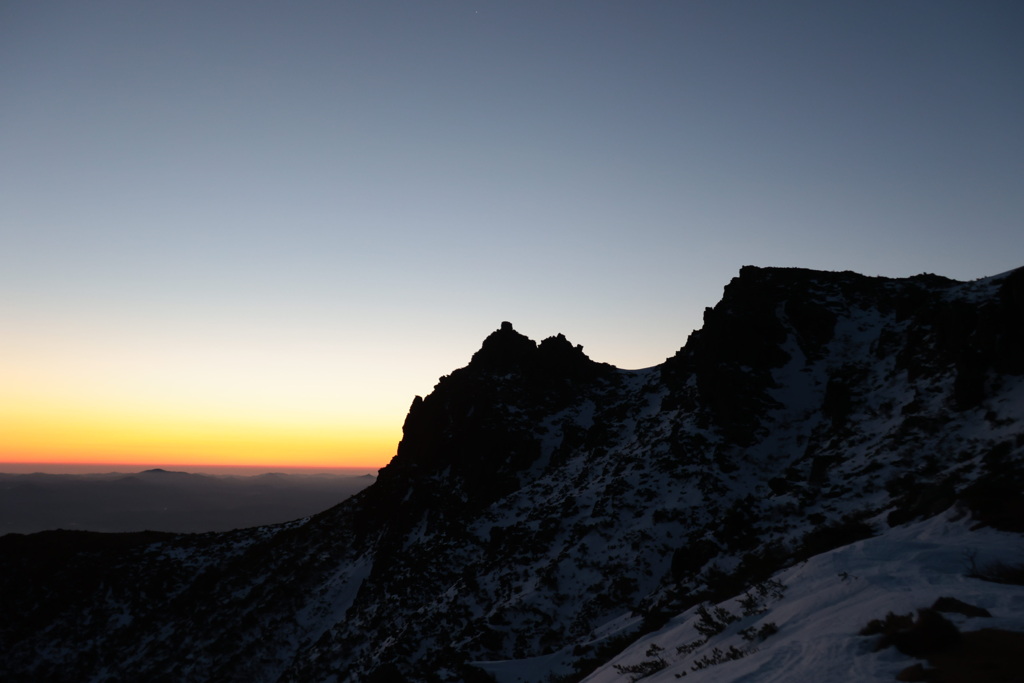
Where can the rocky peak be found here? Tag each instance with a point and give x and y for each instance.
(557, 357)
(539, 499)
(504, 349)
(476, 429)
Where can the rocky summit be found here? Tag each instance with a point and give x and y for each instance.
(545, 513)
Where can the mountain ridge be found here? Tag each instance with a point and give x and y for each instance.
(540, 503)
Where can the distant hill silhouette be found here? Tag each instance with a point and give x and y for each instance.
(162, 500)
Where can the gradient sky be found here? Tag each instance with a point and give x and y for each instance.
(250, 232)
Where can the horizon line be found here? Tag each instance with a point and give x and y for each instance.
(53, 467)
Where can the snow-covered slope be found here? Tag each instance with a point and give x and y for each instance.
(819, 607)
(544, 512)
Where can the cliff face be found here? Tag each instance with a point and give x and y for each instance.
(472, 438)
(540, 503)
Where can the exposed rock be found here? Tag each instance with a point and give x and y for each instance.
(947, 604)
(930, 633)
(537, 496)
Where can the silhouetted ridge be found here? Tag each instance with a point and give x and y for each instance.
(504, 348)
(557, 357)
(538, 498)
(733, 354)
(476, 429)
(768, 314)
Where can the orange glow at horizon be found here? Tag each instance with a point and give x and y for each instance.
(220, 404)
(91, 437)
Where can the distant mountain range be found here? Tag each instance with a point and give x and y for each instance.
(827, 449)
(159, 500)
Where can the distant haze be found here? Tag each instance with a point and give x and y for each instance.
(162, 500)
(239, 470)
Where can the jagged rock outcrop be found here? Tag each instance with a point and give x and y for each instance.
(539, 501)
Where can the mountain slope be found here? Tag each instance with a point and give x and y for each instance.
(547, 508)
(806, 626)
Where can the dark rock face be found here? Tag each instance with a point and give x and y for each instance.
(732, 356)
(474, 434)
(931, 633)
(505, 349)
(537, 495)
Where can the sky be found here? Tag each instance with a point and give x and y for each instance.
(249, 233)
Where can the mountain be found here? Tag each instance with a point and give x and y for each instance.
(827, 447)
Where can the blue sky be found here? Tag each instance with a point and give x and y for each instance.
(310, 211)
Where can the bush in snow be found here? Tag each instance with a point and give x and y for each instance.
(646, 667)
(713, 623)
